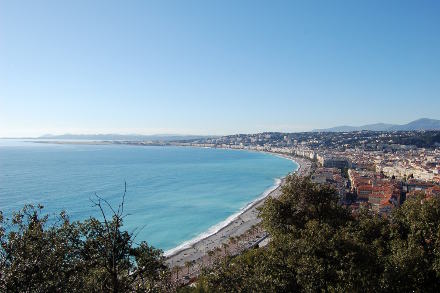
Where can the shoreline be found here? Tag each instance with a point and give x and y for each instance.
(223, 224)
(195, 251)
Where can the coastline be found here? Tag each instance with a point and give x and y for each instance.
(223, 224)
(195, 251)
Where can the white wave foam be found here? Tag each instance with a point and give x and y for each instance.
(217, 227)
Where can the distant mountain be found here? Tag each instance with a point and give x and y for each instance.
(126, 137)
(420, 124)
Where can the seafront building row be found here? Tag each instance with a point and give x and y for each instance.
(366, 169)
(390, 165)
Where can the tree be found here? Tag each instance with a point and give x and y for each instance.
(415, 246)
(188, 266)
(301, 201)
(225, 247)
(41, 254)
(316, 245)
(176, 269)
(114, 261)
(210, 255)
(38, 257)
(232, 240)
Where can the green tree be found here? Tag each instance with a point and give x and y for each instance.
(302, 201)
(415, 246)
(316, 245)
(187, 266)
(38, 254)
(38, 257)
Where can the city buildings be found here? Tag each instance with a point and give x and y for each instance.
(373, 169)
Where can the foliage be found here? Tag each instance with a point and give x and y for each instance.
(415, 244)
(39, 254)
(36, 257)
(317, 245)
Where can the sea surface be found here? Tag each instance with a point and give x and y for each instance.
(174, 194)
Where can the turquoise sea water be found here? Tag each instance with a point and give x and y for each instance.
(173, 193)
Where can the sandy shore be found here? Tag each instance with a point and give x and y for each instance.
(197, 253)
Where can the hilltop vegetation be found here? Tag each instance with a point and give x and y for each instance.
(38, 254)
(316, 245)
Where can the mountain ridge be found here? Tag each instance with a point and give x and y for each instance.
(419, 124)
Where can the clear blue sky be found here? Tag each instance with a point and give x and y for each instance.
(215, 67)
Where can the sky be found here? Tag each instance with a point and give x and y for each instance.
(215, 67)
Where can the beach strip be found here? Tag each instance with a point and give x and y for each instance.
(195, 252)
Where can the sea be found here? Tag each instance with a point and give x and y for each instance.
(174, 195)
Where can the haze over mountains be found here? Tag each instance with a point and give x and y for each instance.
(419, 124)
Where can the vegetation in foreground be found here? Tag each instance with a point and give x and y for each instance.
(65, 256)
(317, 245)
